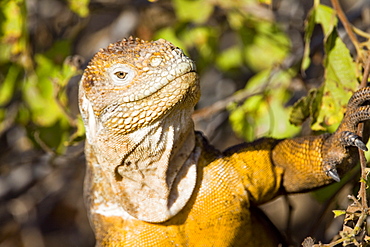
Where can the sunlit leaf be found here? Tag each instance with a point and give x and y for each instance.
(13, 32)
(39, 93)
(79, 133)
(236, 19)
(338, 213)
(230, 58)
(197, 11)
(13, 25)
(267, 2)
(52, 136)
(265, 113)
(302, 109)
(44, 94)
(7, 87)
(264, 44)
(340, 73)
(169, 34)
(326, 17)
(80, 7)
(319, 15)
(340, 83)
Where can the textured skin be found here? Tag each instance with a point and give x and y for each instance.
(152, 181)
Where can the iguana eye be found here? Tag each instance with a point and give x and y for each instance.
(121, 74)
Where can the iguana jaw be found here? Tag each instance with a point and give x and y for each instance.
(152, 171)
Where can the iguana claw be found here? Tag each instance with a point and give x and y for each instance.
(351, 139)
(333, 174)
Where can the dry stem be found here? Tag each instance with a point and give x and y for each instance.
(360, 129)
(348, 27)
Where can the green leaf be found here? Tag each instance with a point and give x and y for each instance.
(309, 27)
(302, 109)
(229, 58)
(7, 87)
(79, 133)
(53, 136)
(316, 104)
(197, 11)
(80, 7)
(324, 16)
(243, 118)
(169, 34)
(38, 93)
(236, 19)
(13, 25)
(340, 83)
(306, 107)
(13, 32)
(202, 38)
(45, 97)
(264, 45)
(264, 113)
(338, 213)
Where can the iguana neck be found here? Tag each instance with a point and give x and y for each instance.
(148, 168)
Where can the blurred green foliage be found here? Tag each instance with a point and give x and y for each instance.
(38, 79)
(80, 7)
(265, 113)
(263, 47)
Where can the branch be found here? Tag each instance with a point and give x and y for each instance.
(221, 105)
(360, 129)
(348, 27)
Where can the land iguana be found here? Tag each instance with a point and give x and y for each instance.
(152, 180)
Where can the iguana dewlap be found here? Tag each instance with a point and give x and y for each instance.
(152, 181)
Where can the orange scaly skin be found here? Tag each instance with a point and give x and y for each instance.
(152, 181)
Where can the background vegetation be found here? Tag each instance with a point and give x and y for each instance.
(256, 59)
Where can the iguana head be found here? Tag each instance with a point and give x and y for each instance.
(136, 100)
(133, 83)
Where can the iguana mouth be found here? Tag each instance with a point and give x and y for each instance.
(148, 93)
(125, 117)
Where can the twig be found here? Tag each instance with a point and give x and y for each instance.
(10, 118)
(332, 244)
(362, 191)
(62, 107)
(360, 222)
(355, 201)
(366, 72)
(360, 129)
(240, 96)
(42, 144)
(348, 27)
(361, 33)
(222, 104)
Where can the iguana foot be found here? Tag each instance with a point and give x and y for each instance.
(337, 147)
